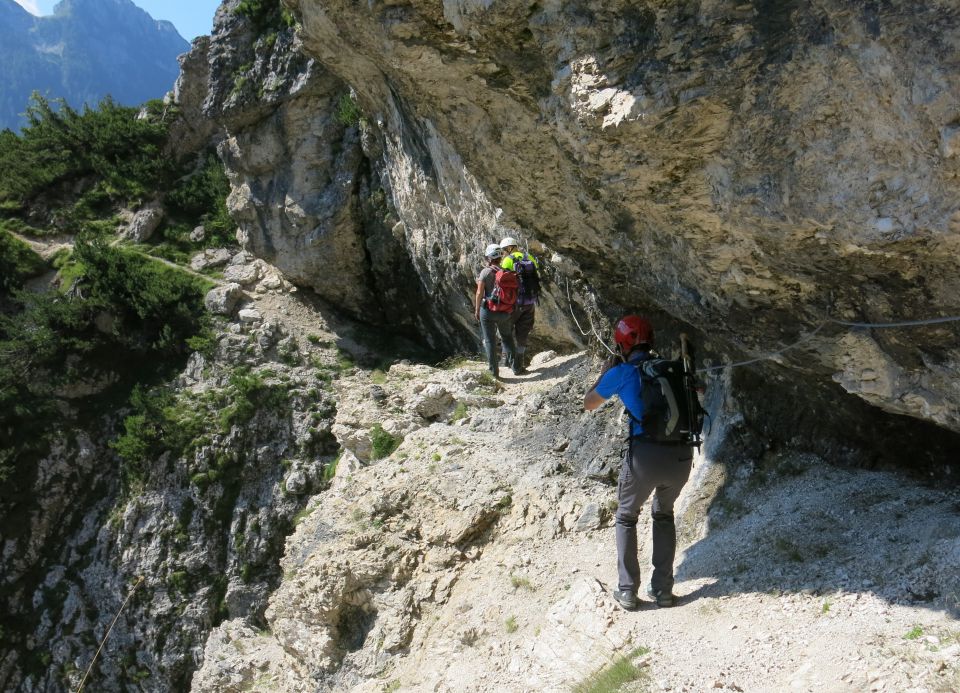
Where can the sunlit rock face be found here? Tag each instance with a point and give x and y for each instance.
(751, 170)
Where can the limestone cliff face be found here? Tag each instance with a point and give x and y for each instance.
(746, 170)
(380, 217)
(751, 174)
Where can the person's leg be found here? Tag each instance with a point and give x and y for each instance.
(522, 327)
(673, 475)
(488, 328)
(504, 325)
(513, 330)
(633, 489)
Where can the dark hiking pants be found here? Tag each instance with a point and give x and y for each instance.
(662, 470)
(523, 317)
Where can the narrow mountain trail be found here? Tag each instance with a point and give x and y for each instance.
(470, 558)
(48, 247)
(45, 247)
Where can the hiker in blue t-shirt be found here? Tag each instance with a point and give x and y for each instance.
(648, 467)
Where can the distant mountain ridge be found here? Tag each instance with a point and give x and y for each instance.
(86, 50)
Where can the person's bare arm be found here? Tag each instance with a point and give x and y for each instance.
(594, 399)
(477, 299)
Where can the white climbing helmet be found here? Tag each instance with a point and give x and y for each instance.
(493, 250)
(508, 241)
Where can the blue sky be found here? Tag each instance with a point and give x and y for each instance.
(191, 17)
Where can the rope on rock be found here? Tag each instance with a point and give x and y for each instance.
(107, 634)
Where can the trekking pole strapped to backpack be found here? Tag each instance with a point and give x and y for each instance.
(690, 390)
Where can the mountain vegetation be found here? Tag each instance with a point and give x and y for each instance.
(119, 317)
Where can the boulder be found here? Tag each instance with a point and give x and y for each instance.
(212, 257)
(296, 482)
(250, 315)
(144, 223)
(433, 402)
(223, 299)
(241, 274)
(272, 282)
(589, 518)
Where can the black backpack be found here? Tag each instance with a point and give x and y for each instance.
(529, 278)
(671, 408)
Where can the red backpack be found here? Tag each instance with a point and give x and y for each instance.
(506, 286)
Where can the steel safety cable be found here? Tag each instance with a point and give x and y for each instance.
(902, 323)
(834, 321)
(107, 634)
(593, 329)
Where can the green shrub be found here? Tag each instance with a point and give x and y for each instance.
(50, 341)
(487, 381)
(266, 14)
(15, 225)
(614, 676)
(383, 443)
(348, 111)
(18, 262)
(519, 581)
(163, 305)
(205, 342)
(108, 150)
(164, 421)
(330, 469)
(178, 580)
(459, 412)
(344, 361)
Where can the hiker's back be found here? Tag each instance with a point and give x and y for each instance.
(528, 275)
(671, 407)
(506, 287)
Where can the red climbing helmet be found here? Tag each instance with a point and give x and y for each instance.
(631, 331)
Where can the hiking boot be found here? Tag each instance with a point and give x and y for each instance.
(626, 599)
(662, 598)
(520, 371)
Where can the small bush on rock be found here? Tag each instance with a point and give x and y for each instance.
(18, 262)
(382, 442)
(614, 676)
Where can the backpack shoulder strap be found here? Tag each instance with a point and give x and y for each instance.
(639, 372)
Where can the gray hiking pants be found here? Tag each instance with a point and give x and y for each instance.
(490, 324)
(662, 470)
